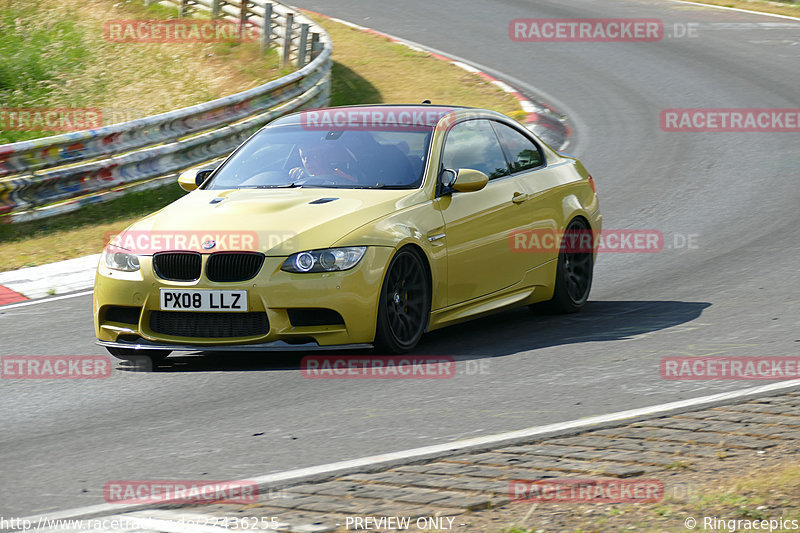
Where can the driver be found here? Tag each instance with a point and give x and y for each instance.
(322, 160)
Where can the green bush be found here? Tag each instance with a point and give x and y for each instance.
(36, 56)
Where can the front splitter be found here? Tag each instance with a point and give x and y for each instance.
(274, 346)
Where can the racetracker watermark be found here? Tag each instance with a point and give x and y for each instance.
(391, 367)
(575, 490)
(612, 30)
(729, 368)
(379, 119)
(179, 31)
(146, 242)
(180, 491)
(56, 119)
(730, 120)
(55, 366)
(586, 241)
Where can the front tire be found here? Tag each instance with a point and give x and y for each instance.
(573, 273)
(404, 304)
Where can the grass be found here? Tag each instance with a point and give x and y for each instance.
(54, 54)
(753, 495)
(779, 7)
(78, 233)
(744, 494)
(36, 56)
(367, 69)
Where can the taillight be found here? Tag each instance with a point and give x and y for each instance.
(591, 183)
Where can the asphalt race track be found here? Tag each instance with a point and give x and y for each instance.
(735, 292)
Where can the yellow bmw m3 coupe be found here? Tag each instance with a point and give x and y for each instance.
(363, 225)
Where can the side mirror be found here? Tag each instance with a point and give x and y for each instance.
(448, 177)
(191, 179)
(466, 179)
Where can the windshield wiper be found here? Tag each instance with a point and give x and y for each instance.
(284, 186)
(384, 186)
(355, 186)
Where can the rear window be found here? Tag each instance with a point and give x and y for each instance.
(523, 154)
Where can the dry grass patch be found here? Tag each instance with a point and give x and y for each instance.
(124, 80)
(749, 487)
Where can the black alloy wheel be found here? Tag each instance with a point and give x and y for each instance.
(404, 304)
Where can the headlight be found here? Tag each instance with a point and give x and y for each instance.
(118, 258)
(329, 260)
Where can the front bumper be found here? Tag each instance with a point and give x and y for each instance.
(353, 294)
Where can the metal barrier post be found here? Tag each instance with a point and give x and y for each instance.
(186, 8)
(316, 45)
(302, 46)
(243, 15)
(287, 40)
(266, 34)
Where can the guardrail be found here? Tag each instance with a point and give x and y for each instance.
(95, 165)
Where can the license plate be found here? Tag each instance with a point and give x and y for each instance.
(203, 300)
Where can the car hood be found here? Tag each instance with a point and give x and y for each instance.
(272, 221)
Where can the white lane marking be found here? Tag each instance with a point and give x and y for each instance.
(351, 24)
(63, 276)
(411, 46)
(747, 25)
(391, 459)
(738, 9)
(504, 86)
(44, 300)
(468, 68)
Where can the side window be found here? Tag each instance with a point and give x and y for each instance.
(473, 144)
(522, 152)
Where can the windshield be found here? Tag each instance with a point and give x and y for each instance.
(296, 156)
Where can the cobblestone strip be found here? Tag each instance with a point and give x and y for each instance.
(454, 485)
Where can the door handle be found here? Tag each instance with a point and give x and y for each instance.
(519, 197)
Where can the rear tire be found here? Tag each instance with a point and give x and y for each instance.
(129, 354)
(404, 304)
(573, 276)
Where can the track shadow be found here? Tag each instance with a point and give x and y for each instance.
(505, 333)
(520, 330)
(348, 88)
